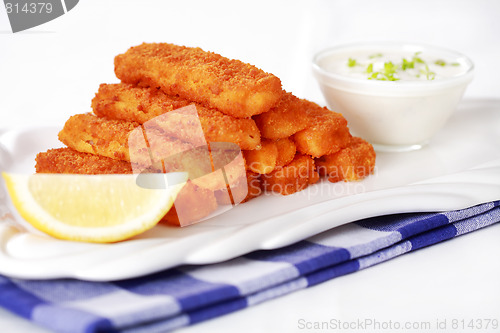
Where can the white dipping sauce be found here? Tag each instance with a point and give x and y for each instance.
(396, 96)
(400, 65)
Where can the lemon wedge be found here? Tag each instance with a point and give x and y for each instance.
(93, 208)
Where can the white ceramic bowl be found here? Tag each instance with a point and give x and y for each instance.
(397, 115)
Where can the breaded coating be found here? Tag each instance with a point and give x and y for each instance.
(286, 151)
(294, 177)
(246, 189)
(126, 141)
(254, 186)
(127, 102)
(121, 140)
(352, 163)
(90, 134)
(316, 130)
(314, 177)
(262, 160)
(67, 160)
(192, 204)
(288, 117)
(231, 86)
(227, 168)
(326, 133)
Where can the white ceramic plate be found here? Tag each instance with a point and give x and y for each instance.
(460, 168)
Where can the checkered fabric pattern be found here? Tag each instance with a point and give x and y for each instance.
(191, 294)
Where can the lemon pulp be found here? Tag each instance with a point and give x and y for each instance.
(93, 208)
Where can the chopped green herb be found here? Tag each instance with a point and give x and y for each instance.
(389, 71)
(417, 59)
(440, 62)
(351, 62)
(374, 76)
(407, 64)
(389, 67)
(428, 74)
(387, 75)
(369, 69)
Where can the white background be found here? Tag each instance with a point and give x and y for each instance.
(51, 72)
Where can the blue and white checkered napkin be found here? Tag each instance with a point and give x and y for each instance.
(191, 294)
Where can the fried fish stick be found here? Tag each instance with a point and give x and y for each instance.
(294, 177)
(246, 189)
(126, 141)
(288, 117)
(228, 168)
(254, 186)
(231, 86)
(112, 138)
(316, 131)
(352, 163)
(262, 160)
(127, 102)
(89, 134)
(286, 151)
(326, 133)
(67, 160)
(192, 204)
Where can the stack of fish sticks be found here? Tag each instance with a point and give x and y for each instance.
(285, 143)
